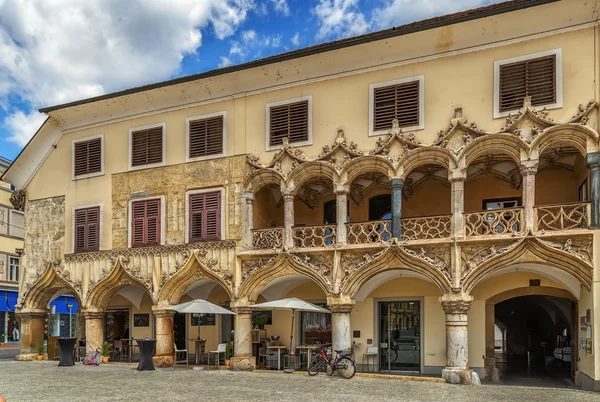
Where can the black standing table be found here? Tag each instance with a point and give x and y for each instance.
(146, 348)
(67, 346)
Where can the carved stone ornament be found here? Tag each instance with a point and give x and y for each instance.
(473, 256)
(321, 264)
(580, 248)
(18, 199)
(249, 267)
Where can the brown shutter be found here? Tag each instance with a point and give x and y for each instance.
(147, 146)
(87, 229)
(206, 137)
(87, 157)
(145, 222)
(400, 102)
(535, 78)
(288, 121)
(205, 216)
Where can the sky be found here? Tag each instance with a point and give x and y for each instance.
(57, 51)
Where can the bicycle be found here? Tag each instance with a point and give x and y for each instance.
(93, 358)
(342, 363)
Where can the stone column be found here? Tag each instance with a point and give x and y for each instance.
(341, 329)
(248, 220)
(457, 199)
(396, 185)
(164, 356)
(457, 341)
(31, 324)
(341, 193)
(242, 338)
(288, 217)
(94, 329)
(528, 171)
(592, 161)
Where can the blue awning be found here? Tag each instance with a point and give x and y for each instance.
(61, 303)
(8, 300)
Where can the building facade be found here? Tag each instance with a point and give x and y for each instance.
(417, 181)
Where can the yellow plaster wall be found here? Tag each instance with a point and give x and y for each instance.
(145, 308)
(586, 361)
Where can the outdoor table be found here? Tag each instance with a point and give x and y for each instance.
(67, 345)
(198, 348)
(278, 354)
(146, 348)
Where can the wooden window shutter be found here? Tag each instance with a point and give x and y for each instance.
(87, 229)
(206, 137)
(147, 146)
(205, 216)
(88, 157)
(288, 121)
(400, 101)
(535, 78)
(145, 223)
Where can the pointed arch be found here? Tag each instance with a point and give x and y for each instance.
(312, 170)
(39, 294)
(507, 144)
(99, 296)
(367, 164)
(581, 137)
(426, 156)
(263, 178)
(192, 271)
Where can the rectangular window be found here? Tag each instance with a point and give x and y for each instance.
(206, 137)
(501, 203)
(145, 223)
(535, 78)
(400, 100)
(87, 229)
(205, 216)
(289, 121)
(13, 269)
(147, 146)
(16, 226)
(87, 157)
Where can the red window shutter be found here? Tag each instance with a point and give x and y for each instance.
(87, 229)
(80, 221)
(152, 222)
(535, 78)
(206, 137)
(147, 146)
(205, 216)
(288, 121)
(145, 222)
(399, 102)
(87, 157)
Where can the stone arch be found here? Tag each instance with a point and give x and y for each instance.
(311, 170)
(263, 178)
(192, 271)
(426, 156)
(531, 250)
(100, 295)
(576, 135)
(41, 292)
(530, 291)
(367, 164)
(394, 259)
(507, 144)
(283, 265)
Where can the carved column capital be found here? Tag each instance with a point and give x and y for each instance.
(592, 160)
(249, 197)
(161, 312)
(93, 314)
(341, 305)
(457, 175)
(456, 304)
(396, 183)
(341, 189)
(288, 194)
(529, 169)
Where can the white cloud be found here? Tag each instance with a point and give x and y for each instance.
(281, 6)
(339, 18)
(296, 39)
(248, 36)
(23, 126)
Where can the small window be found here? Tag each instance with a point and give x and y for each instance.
(400, 100)
(289, 120)
(87, 157)
(145, 222)
(205, 216)
(87, 229)
(147, 146)
(206, 136)
(17, 224)
(13, 269)
(491, 205)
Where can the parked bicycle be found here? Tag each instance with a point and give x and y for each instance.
(93, 358)
(343, 363)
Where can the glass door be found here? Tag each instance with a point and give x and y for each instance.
(400, 336)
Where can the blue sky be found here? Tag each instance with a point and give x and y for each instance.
(56, 51)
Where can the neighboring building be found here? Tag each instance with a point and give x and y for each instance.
(350, 174)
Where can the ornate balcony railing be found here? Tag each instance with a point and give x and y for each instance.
(368, 232)
(563, 216)
(495, 222)
(429, 227)
(263, 239)
(314, 236)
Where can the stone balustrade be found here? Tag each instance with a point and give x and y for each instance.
(428, 227)
(270, 238)
(574, 215)
(314, 236)
(369, 232)
(508, 221)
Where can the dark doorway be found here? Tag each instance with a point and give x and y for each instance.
(179, 330)
(380, 207)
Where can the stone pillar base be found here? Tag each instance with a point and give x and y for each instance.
(163, 361)
(26, 357)
(461, 376)
(244, 362)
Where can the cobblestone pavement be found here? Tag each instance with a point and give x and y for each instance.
(44, 381)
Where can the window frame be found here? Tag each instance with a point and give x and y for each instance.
(268, 122)
(164, 146)
(9, 228)
(517, 199)
(187, 136)
(87, 175)
(372, 87)
(74, 224)
(162, 218)
(8, 271)
(559, 87)
(187, 210)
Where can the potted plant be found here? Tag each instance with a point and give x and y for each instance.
(107, 349)
(228, 353)
(40, 348)
(2, 339)
(261, 320)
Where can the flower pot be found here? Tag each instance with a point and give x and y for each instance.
(105, 359)
(227, 363)
(39, 357)
(1, 343)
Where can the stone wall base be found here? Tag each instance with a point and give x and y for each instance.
(163, 361)
(588, 384)
(26, 357)
(461, 376)
(244, 362)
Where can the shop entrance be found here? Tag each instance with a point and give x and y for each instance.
(400, 336)
(179, 330)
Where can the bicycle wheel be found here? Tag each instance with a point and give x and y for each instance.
(315, 366)
(393, 355)
(346, 368)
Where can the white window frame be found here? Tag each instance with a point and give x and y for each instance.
(9, 270)
(87, 176)
(164, 146)
(187, 209)
(187, 137)
(10, 212)
(75, 208)
(163, 208)
(268, 122)
(559, 88)
(372, 87)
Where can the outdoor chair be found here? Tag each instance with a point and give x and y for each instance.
(372, 353)
(221, 348)
(268, 357)
(118, 350)
(180, 353)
